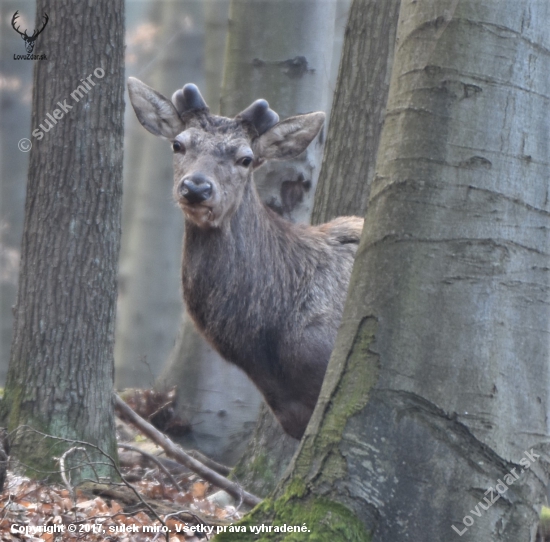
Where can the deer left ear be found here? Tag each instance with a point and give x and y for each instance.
(155, 112)
(288, 138)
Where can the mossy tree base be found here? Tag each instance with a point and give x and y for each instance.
(298, 516)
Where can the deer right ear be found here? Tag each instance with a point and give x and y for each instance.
(155, 112)
(288, 138)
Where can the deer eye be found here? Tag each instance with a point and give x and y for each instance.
(178, 146)
(245, 161)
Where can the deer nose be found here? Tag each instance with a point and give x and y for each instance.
(195, 188)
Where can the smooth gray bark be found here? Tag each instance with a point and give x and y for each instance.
(216, 16)
(436, 397)
(282, 51)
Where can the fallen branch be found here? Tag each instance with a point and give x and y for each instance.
(155, 460)
(128, 459)
(210, 463)
(174, 451)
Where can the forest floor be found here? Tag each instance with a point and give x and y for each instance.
(153, 503)
(156, 500)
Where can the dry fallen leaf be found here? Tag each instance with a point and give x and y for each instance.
(198, 490)
(27, 502)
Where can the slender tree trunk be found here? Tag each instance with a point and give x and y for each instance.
(266, 456)
(358, 111)
(61, 370)
(282, 51)
(216, 26)
(432, 421)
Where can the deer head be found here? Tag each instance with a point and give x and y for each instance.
(29, 40)
(214, 156)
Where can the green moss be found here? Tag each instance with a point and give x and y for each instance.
(37, 441)
(323, 520)
(349, 398)
(326, 520)
(261, 471)
(360, 375)
(545, 517)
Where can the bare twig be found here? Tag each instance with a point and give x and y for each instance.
(159, 409)
(67, 478)
(174, 451)
(155, 460)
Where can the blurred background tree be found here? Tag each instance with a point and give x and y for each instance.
(288, 53)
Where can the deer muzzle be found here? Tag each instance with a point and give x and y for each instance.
(195, 188)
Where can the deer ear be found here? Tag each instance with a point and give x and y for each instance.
(155, 112)
(288, 138)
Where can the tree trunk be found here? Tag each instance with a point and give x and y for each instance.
(215, 398)
(61, 370)
(266, 456)
(358, 110)
(150, 302)
(282, 51)
(432, 420)
(216, 27)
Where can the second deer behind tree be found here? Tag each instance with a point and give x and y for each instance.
(266, 293)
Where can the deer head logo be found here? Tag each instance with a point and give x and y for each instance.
(29, 40)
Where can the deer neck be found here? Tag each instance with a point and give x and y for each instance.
(246, 228)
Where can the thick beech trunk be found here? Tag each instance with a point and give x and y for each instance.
(436, 398)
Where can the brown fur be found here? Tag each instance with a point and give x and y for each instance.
(266, 293)
(269, 296)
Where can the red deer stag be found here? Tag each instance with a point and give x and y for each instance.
(266, 293)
